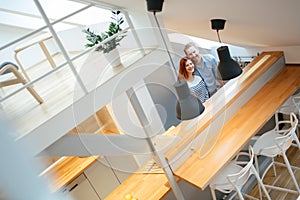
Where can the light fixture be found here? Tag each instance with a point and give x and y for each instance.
(187, 106)
(227, 67)
(154, 5)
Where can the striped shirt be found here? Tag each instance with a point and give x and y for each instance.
(198, 88)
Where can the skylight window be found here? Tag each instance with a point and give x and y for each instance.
(24, 14)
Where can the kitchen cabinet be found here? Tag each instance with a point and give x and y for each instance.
(102, 178)
(80, 189)
(107, 173)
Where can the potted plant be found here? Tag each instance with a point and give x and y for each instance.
(109, 47)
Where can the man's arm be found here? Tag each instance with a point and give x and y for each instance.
(214, 65)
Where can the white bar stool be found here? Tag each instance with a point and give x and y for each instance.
(293, 122)
(275, 143)
(291, 105)
(235, 175)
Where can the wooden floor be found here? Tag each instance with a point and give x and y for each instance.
(283, 178)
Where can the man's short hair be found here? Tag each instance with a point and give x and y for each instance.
(190, 44)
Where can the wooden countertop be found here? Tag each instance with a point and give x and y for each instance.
(67, 170)
(240, 128)
(142, 186)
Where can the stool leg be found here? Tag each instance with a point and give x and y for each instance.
(296, 139)
(240, 195)
(291, 171)
(274, 167)
(213, 194)
(260, 184)
(276, 120)
(257, 169)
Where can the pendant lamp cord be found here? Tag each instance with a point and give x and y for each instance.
(219, 36)
(171, 60)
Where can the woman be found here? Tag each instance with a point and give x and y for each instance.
(188, 72)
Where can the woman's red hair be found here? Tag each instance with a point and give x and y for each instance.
(182, 69)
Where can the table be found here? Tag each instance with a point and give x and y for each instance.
(240, 128)
(40, 40)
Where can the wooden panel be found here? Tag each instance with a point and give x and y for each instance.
(105, 119)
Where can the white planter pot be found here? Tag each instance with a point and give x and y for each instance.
(113, 57)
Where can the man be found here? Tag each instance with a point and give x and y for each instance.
(208, 66)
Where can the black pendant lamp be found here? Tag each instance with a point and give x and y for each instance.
(155, 5)
(227, 67)
(187, 106)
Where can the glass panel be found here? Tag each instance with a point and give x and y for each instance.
(56, 9)
(18, 18)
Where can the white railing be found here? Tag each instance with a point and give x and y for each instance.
(69, 61)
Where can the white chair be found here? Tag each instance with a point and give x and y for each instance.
(292, 104)
(235, 175)
(291, 123)
(275, 143)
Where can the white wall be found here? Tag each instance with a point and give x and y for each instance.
(291, 53)
(143, 26)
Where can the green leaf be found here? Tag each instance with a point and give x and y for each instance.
(113, 28)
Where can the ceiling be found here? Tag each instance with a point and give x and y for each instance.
(258, 23)
(255, 23)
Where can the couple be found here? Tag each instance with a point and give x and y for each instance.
(200, 72)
